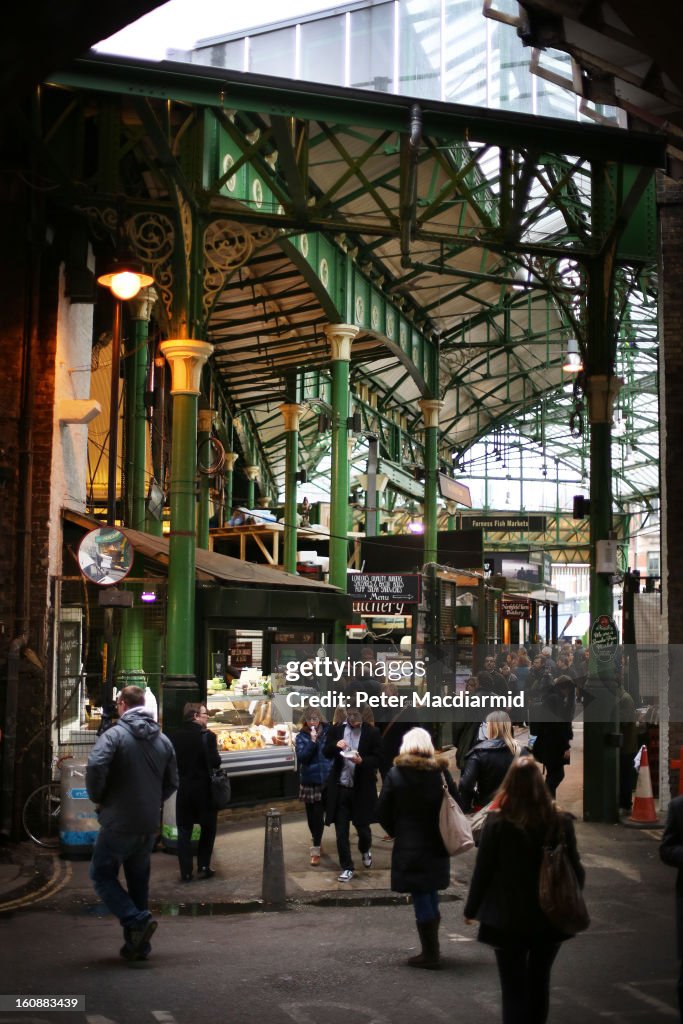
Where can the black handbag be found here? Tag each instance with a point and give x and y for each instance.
(220, 789)
(559, 895)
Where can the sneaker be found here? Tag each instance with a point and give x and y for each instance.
(205, 873)
(186, 878)
(140, 935)
(315, 856)
(133, 956)
(367, 859)
(346, 875)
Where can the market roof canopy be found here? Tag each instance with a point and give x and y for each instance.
(317, 204)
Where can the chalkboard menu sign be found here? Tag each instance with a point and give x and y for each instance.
(403, 587)
(70, 656)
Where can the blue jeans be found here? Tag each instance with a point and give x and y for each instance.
(426, 906)
(114, 850)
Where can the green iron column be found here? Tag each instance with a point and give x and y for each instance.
(451, 509)
(252, 474)
(601, 761)
(131, 658)
(382, 481)
(430, 411)
(340, 337)
(204, 422)
(186, 357)
(291, 413)
(230, 460)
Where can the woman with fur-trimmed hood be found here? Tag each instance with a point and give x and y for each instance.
(408, 810)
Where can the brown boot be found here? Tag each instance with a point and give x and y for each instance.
(429, 959)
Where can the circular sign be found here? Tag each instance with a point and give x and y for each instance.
(105, 556)
(604, 638)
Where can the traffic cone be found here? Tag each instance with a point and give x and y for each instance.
(643, 810)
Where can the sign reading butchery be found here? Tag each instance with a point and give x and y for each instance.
(401, 587)
(378, 607)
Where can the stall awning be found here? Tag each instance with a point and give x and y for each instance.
(210, 566)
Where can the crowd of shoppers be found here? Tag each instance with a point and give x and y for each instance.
(338, 772)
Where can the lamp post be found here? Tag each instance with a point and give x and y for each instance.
(124, 277)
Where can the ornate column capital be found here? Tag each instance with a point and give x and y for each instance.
(340, 337)
(187, 358)
(263, 501)
(252, 472)
(140, 308)
(451, 507)
(430, 410)
(230, 460)
(601, 392)
(291, 414)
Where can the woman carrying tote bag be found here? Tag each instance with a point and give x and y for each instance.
(408, 810)
(504, 891)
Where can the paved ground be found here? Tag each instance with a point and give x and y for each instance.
(333, 951)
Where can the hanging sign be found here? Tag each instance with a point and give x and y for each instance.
(105, 556)
(604, 638)
(515, 607)
(367, 586)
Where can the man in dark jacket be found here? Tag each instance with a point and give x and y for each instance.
(196, 750)
(553, 730)
(131, 771)
(671, 852)
(352, 787)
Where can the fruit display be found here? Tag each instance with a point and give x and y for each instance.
(244, 739)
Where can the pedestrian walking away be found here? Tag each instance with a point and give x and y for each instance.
(504, 891)
(131, 771)
(671, 852)
(314, 769)
(551, 722)
(355, 747)
(196, 749)
(408, 809)
(487, 763)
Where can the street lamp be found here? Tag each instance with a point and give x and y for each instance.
(124, 277)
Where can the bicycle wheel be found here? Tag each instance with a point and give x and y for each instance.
(40, 816)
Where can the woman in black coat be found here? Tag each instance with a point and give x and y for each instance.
(408, 809)
(503, 892)
(197, 754)
(487, 763)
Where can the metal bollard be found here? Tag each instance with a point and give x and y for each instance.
(273, 884)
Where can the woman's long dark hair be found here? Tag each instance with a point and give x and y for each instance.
(524, 798)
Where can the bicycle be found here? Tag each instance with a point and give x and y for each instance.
(40, 816)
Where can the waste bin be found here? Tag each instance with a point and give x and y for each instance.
(78, 824)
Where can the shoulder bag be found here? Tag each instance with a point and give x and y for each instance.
(454, 827)
(220, 789)
(559, 895)
(478, 819)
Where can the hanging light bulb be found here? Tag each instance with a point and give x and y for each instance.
(572, 361)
